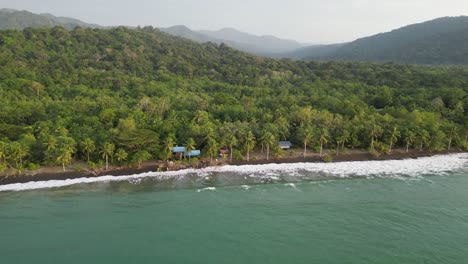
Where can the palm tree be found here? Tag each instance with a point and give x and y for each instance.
(3, 150)
(141, 156)
(66, 148)
(121, 156)
(409, 139)
(423, 138)
(375, 132)
(249, 144)
(394, 137)
(344, 138)
(88, 146)
(107, 150)
(306, 134)
(452, 134)
(50, 145)
(168, 146)
(212, 148)
(17, 151)
(338, 144)
(324, 136)
(232, 142)
(64, 157)
(268, 140)
(189, 147)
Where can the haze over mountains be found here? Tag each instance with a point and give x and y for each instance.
(439, 41)
(15, 19)
(260, 45)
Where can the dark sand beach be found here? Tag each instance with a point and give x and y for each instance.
(56, 173)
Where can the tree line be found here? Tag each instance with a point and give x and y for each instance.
(123, 96)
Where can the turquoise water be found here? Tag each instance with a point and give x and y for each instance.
(400, 219)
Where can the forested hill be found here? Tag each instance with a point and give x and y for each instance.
(130, 94)
(15, 19)
(439, 41)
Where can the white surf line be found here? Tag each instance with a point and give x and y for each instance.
(408, 167)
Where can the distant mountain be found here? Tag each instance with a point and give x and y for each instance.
(185, 32)
(254, 44)
(439, 41)
(259, 45)
(14, 19)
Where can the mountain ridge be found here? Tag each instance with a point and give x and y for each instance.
(20, 19)
(438, 41)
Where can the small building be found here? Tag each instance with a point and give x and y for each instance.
(223, 152)
(178, 151)
(193, 153)
(285, 144)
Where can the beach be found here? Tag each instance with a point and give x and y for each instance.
(56, 173)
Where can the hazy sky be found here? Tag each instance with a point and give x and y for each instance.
(313, 21)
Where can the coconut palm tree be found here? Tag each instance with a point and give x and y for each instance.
(168, 146)
(410, 137)
(212, 147)
(345, 136)
(64, 157)
(306, 134)
(249, 144)
(268, 140)
(121, 156)
(88, 146)
(17, 151)
(424, 137)
(451, 134)
(232, 141)
(375, 132)
(394, 137)
(324, 136)
(141, 156)
(3, 150)
(189, 147)
(107, 150)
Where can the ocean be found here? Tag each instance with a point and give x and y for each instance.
(403, 211)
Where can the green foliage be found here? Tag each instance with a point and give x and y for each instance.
(87, 92)
(327, 158)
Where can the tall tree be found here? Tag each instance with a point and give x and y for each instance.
(189, 147)
(249, 143)
(121, 155)
(107, 151)
(324, 136)
(375, 132)
(232, 141)
(394, 137)
(306, 135)
(452, 134)
(168, 146)
(410, 137)
(345, 136)
(88, 146)
(140, 157)
(17, 152)
(212, 148)
(424, 137)
(268, 140)
(3, 150)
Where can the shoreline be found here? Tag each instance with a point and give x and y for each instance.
(124, 171)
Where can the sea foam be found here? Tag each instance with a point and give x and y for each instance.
(435, 165)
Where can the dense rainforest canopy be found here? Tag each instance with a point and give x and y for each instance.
(128, 95)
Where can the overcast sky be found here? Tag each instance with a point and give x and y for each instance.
(312, 21)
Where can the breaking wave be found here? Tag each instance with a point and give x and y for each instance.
(254, 174)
